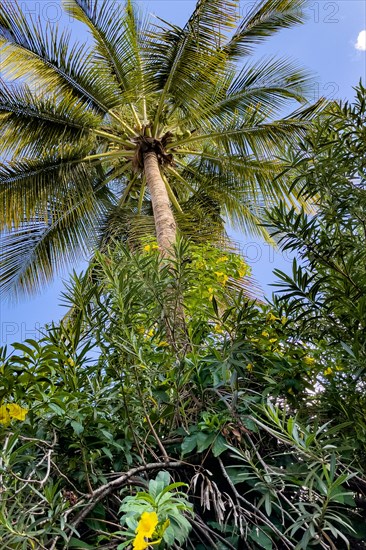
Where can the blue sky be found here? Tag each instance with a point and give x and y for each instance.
(326, 45)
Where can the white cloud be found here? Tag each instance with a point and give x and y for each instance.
(361, 41)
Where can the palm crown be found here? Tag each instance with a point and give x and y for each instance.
(152, 122)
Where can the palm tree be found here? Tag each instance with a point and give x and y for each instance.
(150, 122)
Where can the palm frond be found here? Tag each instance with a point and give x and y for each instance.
(308, 113)
(270, 83)
(239, 188)
(39, 248)
(248, 137)
(20, 100)
(115, 33)
(28, 120)
(265, 19)
(28, 187)
(48, 59)
(186, 61)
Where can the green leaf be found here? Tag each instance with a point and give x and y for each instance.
(204, 440)
(162, 480)
(107, 452)
(75, 543)
(77, 427)
(189, 443)
(169, 488)
(348, 349)
(258, 536)
(25, 349)
(168, 536)
(57, 409)
(215, 306)
(219, 445)
(249, 424)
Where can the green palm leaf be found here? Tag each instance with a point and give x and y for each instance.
(114, 31)
(41, 246)
(263, 20)
(186, 62)
(49, 59)
(27, 187)
(269, 83)
(29, 120)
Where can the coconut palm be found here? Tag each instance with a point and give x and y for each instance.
(147, 121)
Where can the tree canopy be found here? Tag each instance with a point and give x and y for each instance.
(149, 127)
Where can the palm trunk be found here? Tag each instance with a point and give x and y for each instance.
(166, 234)
(166, 230)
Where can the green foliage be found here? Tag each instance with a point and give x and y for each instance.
(324, 297)
(119, 419)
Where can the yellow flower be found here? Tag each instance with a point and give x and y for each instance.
(222, 259)
(290, 391)
(163, 344)
(148, 522)
(328, 371)
(253, 339)
(218, 329)
(243, 269)
(272, 340)
(250, 367)
(4, 415)
(265, 334)
(10, 411)
(339, 368)
(150, 247)
(17, 412)
(222, 277)
(283, 320)
(139, 542)
(150, 334)
(271, 318)
(309, 360)
(71, 362)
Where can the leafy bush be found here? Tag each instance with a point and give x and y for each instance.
(116, 414)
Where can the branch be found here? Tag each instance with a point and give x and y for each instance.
(157, 439)
(204, 531)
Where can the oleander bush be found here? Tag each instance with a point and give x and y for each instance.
(127, 441)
